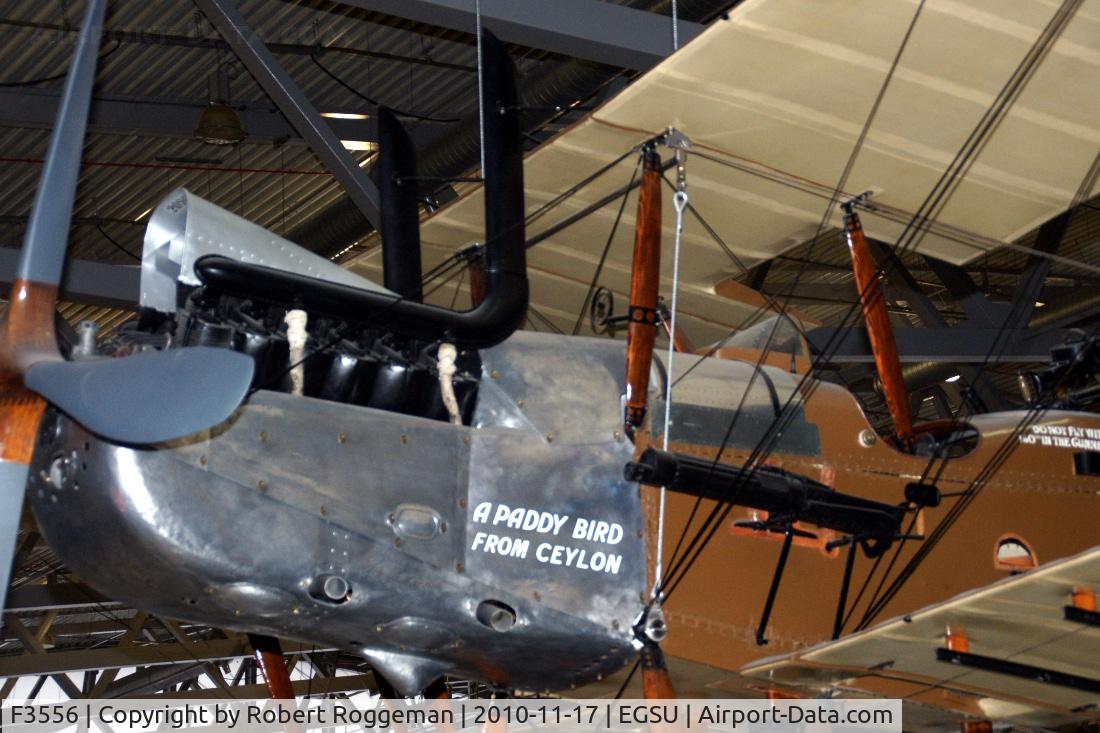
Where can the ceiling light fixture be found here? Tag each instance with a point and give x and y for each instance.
(368, 145)
(219, 123)
(345, 116)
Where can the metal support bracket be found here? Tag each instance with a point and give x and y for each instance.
(777, 578)
(1015, 669)
(292, 102)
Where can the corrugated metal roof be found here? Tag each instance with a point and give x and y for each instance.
(281, 186)
(166, 49)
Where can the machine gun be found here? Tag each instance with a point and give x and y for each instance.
(787, 497)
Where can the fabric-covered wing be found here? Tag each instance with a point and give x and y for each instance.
(779, 92)
(1020, 621)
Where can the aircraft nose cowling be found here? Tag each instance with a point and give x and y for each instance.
(354, 528)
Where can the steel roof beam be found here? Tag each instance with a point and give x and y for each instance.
(314, 686)
(34, 648)
(37, 108)
(290, 99)
(150, 655)
(57, 596)
(89, 283)
(961, 286)
(586, 29)
(900, 280)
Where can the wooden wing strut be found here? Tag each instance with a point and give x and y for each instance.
(879, 331)
(644, 281)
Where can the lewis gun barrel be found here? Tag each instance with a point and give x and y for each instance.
(786, 496)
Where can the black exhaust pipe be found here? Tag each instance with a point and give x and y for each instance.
(397, 187)
(496, 317)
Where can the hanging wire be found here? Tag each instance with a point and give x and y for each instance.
(112, 240)
(768, 441)
(606, 250)
(675, 26)
(940, 193)
(679, 203)
(282, 183)
(371, 100)
(60, 75)
(480, 85)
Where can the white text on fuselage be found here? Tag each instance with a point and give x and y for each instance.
(1062, 436)
(501, 517)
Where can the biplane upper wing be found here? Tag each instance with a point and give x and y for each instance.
(776, 97)
(1031, 660)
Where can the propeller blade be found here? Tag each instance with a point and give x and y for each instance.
(13, 479)
(20, 413)
(149, 397)
(48, 226)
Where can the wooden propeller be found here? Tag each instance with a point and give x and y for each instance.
(126, 400)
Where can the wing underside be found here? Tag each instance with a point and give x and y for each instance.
(774, 100)
(1031, 659)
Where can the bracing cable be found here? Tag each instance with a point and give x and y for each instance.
(936, 199)
(372, 100)
(606, 250)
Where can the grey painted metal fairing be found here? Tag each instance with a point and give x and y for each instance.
(148, 397)
(184, 227)
(244, 527)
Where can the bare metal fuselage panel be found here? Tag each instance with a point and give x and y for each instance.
(510, 550)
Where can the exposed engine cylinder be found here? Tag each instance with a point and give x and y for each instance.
(343, 362)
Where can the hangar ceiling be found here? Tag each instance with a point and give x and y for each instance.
(162, 62)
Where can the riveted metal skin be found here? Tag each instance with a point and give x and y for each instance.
(188, 514)
(183, 228)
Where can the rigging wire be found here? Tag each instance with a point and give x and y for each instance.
(400, 113)
(876, 604)
(458, 289)
(679, 202)
(826, 216)
(606, 250)
(837, 190)
(546, 321)
(480, 84)
(61, 75)
(112, 240)
(938, 197)
(961, 503)
(457, 261)
(889, 213)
